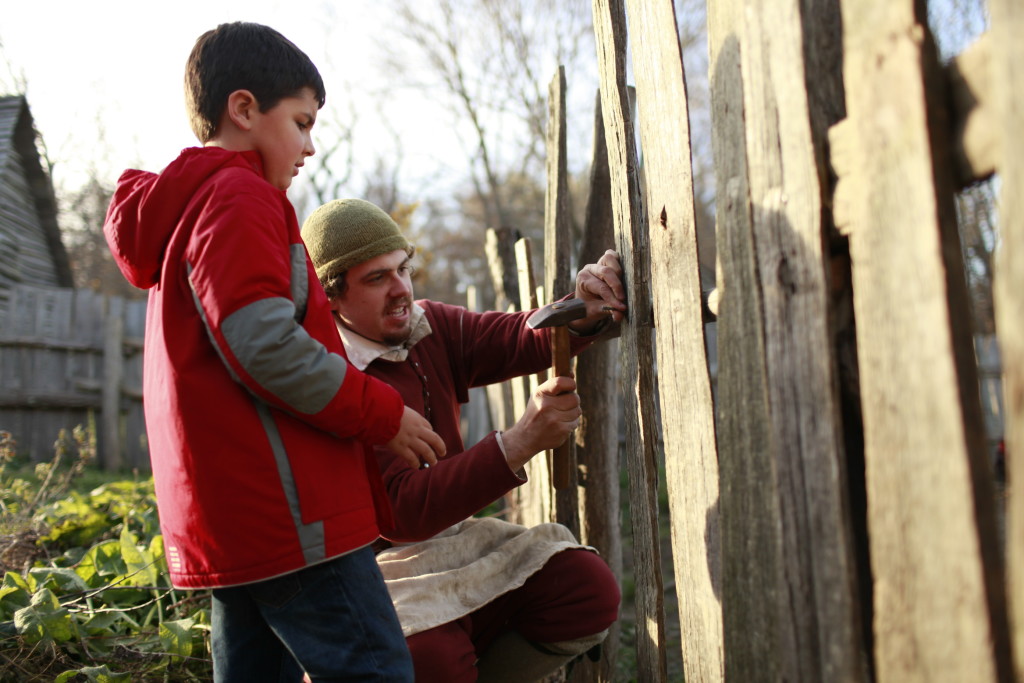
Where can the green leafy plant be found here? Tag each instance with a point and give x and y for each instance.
(91, 599)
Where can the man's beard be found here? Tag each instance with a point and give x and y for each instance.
(399, 337)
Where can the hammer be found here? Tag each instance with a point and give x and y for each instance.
(556, 316)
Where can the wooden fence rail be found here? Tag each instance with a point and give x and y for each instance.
(72, 357)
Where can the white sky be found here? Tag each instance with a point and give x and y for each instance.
(121, 63)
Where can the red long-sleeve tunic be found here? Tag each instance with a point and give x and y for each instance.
(464, 350)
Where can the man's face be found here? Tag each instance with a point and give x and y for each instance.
(377, 302)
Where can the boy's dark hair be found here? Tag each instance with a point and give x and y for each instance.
(244, 56)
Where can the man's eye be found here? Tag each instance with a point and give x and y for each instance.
(407, 270)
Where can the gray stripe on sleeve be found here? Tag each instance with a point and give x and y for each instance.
(281, 356)
(311, 536)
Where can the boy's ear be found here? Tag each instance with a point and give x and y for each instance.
(242, 106)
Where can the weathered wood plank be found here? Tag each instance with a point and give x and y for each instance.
(500, 248)
(597, 439)
(1008, 76)
(687, 411)
(501, 259)
(52, 372)
(48, 400)
(111, 448)
(938, 578)
(751, 545)
(534, 498)
(88, 312)
(790, 88)
(637, 342)
(558, 277)
(789, 607)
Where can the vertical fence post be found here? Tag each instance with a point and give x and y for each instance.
(500, 250)
(789, 572)
(637, 343)
(749, 506)
(113, 371)
(534, 497)
(934, 548)
(558, 277)
(597, 439)
(687, 413)
(792, 93)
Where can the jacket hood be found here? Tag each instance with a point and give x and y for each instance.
(147, 207)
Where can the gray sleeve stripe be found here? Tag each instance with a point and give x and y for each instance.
(281, 356)
(300, 281)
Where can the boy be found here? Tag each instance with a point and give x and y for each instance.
(259, 429)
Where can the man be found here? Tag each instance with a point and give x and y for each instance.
(475, 596)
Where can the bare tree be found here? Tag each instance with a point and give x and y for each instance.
(330, 169)
(12, 80)
(488, 62)
(82, 214)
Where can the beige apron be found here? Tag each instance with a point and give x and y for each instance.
(465, 567)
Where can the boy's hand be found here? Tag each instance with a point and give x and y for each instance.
(416, 442)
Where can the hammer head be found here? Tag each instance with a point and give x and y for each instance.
(557, 313)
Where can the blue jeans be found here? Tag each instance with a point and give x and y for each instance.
(334, 620)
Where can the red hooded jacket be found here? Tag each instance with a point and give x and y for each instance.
(258, 427)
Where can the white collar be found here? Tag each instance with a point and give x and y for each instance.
(362, 351)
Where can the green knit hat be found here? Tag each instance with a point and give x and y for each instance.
(346, 232)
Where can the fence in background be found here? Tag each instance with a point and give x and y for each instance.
(73, 357)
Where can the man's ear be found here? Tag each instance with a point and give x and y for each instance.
(242, 106)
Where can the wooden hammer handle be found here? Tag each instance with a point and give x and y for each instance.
(561, 467)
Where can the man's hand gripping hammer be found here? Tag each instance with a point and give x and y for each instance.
(557, 316)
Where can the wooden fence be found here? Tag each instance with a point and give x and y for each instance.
(72, 357)
(832, 504)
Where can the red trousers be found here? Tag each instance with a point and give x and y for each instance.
(574, 595)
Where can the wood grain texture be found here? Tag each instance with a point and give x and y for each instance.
(59, 353)
(790, 607)
(558, 281)
(937, 575)
(535, 504)
(687, 411)
(637, 341)
(790, 87)
(597, 439)
(751, 545)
